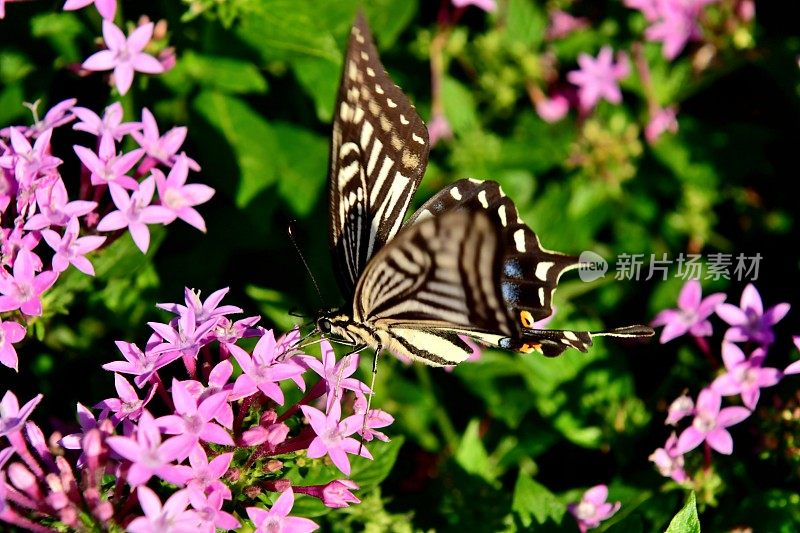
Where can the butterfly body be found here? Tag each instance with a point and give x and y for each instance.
(463, 265)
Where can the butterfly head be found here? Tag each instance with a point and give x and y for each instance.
(334, 323)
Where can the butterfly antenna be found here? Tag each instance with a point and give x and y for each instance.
(305, 264)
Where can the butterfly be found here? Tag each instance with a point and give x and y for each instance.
(464, 265)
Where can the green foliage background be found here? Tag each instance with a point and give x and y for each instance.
(505, 442)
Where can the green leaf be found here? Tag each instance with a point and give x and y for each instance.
(274, 304)
(302, 165)
(14, 66)
(11, 99)
(320, 79)
(525, 23)
(459, 106)
(471, 454)
(62, 31)
(388, 18)
(249, 137)
(686, 521)
(226, 74)
(533, 501)
(370, 473)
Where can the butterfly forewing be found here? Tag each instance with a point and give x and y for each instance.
(379, 151)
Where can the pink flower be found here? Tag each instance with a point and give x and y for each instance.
(376, 418)
(106, 8)
(29, 162)
(486, 5)
(161, 148)
(56, 116)
(180, 198)
(184, 335)
(127, 406)
(217, 382)
(675, 23)
(278, 519)
(597, 78)
(709, 424)
(172, 517)
(202, 310)
(23, 290)
(668, 461)
(749, 321)
(562, 24)
(148, 455)
(681, 407)
(70, 249)
(336, 375)
(744, 375)
(12, 417)
(135, 212)
(593, 508)
(333, 436)
(124, 56)
(794, 368)
(335, 494)
(10, 333)
(111, 123)
(262, 371)
(55, 208)
(192, 422)
(203, 475)
(692, 313)
(209, 508)
(141, 364)
(107, 166)
(552, 109)
(663, 120)
(439, 129)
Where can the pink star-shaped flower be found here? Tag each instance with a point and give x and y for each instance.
(710, 423)
(106, 8)
(55, 207)
(10, 332)
(23, 290)
(744, 375)
(749, 321)
(333, 436)
(135, 212)
(597, 78)
(336, 375)
(593, 508)
(278, 519)
(161, 148)
(172, 517)
(71, 249)
(12, 417)
(202, 475)
(262, 371)
(668, 461)
(141, 364)
(107, 166)
(125, 56)
(111, 123)
(127, 406)
(28, 161)
(179, 197)
(691, 315)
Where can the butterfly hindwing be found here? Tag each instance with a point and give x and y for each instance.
(379, 151)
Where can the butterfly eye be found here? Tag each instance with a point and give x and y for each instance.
(324, 325)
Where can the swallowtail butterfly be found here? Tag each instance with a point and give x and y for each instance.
(464, 265)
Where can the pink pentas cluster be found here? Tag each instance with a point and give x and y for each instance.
(593, 508)
(672, 22)
(743, 372)
(205, 452)
(51, 221)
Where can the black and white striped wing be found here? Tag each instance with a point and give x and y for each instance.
(379, 151)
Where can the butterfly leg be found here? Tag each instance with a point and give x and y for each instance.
(369, 399)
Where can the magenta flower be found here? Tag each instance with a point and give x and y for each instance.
(333, 436)
(70, 249)
(87, 421)
(487, 5)
(172, 517)
(161, 148)
(266, 431)
(794, 368)
(749, 321)
(10, 332)
(148, 455)
(552, 109)
(135, 212)
(186, 337)
(262, 371)
(663, 120)
(209, 508)
(217, 382)
(597, 78)
(106, 166)
(278, 519)
(23, 290)
(141, 364)
(335, 494)
(111, 124)
(691, 315)
(29, 161)
(127, 406)
(648, 8)
(56, 209)
(744, 375)
(562, 24)
(203, 311)
(675, 24)
(192, 421)
(668, 461)
(106, 8)
(56, 116)
(203, 475)
(709, 424)
(179, 197)
(593, 508)
(681, 407)
(439, 129)
(12, 417)
(336, 375)
(124, 56)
